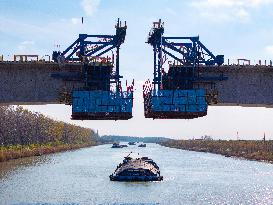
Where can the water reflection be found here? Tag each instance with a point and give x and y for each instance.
(82, 177)
(13, 165)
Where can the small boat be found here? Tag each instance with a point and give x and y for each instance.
(142, 145)
(139, 169)
(131, 143)
(117, 145)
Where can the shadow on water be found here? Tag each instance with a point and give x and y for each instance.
(11, 166)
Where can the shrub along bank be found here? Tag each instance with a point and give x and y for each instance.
(24, 133)
(260, 150)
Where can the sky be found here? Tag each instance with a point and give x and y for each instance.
(235, 28)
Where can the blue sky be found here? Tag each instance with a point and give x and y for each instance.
(235, 28)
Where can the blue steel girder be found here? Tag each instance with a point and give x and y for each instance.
(92, 52)
(188, 51)
(83, 44)
(71, 46)
(98, 42)
(195, 47)
(105, 51)
(194, 50)
(73, 52)
(88, 47)
(173, 56)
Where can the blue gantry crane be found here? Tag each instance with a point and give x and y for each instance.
(179, 92)
(101, 97)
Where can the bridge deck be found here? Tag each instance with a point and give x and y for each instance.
(31, 83)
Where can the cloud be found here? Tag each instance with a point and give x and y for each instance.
(230, 3)
(27, 43)
(242, 14)
(269, 50)
(90, 6)
(171, 11)
(26, 46)
(75, 21)
(258, 3)
(41, 38)
(228, 10)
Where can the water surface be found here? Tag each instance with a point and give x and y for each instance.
(82, 177)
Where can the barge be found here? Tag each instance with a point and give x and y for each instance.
(138, 169)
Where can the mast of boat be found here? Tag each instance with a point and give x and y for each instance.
(128, 155)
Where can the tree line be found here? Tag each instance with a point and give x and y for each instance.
(19, 126)
(117, 138)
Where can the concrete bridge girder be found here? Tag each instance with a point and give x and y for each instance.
(31, 83)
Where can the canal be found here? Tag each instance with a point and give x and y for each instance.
(82, 177)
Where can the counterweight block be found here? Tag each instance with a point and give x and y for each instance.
(101, 105)
(175, 104)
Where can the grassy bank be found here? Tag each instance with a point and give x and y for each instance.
(249, 149)
(24, 133)
(20, 151)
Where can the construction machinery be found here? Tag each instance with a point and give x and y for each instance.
(101, 96)
(179, 90)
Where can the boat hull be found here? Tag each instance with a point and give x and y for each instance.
(136, 178)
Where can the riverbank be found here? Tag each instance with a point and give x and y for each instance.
(20, 151)
(24, 133)
(75, 177)
(248, 149)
